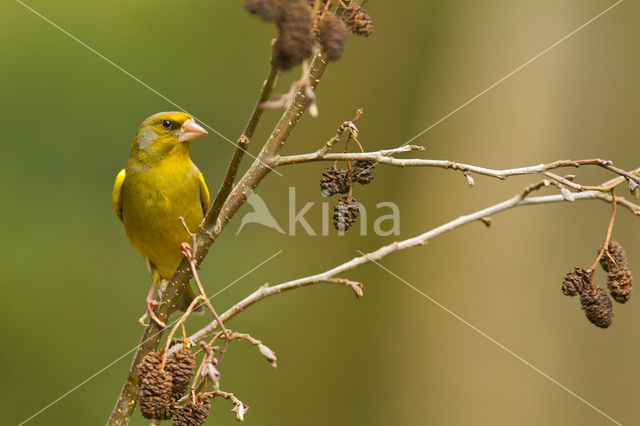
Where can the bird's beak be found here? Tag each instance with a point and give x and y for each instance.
(190, 131)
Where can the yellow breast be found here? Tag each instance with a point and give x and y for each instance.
(153, 200)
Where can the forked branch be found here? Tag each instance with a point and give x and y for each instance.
(227, 202)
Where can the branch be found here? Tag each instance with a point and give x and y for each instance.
(386, 157)
(330, 275)
(228, 200)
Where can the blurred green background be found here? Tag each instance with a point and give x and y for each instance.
(74, 288)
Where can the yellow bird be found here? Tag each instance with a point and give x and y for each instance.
(159, 185)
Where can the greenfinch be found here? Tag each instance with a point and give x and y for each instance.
(159, 185)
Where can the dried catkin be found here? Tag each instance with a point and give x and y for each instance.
(334, 181)
(345, 213)
(295, 40)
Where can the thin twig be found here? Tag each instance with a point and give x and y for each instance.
(226, 395)
(534, 187)
(350, 125)
(386, 157)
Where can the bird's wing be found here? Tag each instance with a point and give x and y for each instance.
(116, 195)
(205, 198)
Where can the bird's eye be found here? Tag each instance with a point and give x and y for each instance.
(166, 124)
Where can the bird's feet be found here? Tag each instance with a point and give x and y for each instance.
(150, 314)
(151, 303)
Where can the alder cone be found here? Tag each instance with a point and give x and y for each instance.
(192, 414)
(363, 171)
(597, 306)
(333, 36)
(358, 21)
(575, 281)
(295, 40)
(617, 254)
(620, 285)
(181, 369)
(334, 181)
(345, 213)
(151, 361)
(154, 395)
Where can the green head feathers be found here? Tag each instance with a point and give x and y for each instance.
(164, 135)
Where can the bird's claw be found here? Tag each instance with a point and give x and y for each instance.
(142, 318)
(186, 250)
(151, 314)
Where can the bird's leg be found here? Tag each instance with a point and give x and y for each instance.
(150, 302)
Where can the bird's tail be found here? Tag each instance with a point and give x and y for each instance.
(186, 298)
